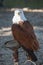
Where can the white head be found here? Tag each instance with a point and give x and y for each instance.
(18, 16)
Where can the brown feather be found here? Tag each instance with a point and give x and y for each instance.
(24, 34)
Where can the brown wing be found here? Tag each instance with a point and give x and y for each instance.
(24, 34)
(29, 29)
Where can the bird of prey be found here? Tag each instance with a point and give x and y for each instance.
(23, 32)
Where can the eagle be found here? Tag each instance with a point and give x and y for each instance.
(23, 32)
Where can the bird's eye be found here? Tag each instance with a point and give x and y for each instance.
(19, 13)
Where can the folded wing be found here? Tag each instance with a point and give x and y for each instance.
(24, 34)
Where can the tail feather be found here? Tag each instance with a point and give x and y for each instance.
(32, 56)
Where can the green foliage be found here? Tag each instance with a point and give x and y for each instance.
(24, 3)
(14, 3)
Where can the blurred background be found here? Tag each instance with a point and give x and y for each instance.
(33, 10)
(22, 3)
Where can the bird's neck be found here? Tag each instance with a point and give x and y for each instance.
(16, 19)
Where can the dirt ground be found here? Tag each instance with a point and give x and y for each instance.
(36, 19)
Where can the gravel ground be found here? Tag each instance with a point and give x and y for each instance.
(36, 19)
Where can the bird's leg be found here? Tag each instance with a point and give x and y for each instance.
(15, 56)
(29, 58)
